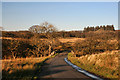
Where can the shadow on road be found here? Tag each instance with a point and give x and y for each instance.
(57, 69)
(59, 66)
(48, 73)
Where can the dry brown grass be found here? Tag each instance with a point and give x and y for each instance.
(65, 40)
(20, 63)
(112, 41)
(21, 66)
(104, 64)
(10, 38)
(106, 59)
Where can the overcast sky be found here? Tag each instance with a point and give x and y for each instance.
(64, 15)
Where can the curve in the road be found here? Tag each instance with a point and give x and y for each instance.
(58, 68)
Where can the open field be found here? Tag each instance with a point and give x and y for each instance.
(63, 40)
(103, 64)
(21, 68)
(72, 40)
(10, 38)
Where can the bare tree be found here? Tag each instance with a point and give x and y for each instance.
(46, 28)
(43, 28)
(41, 47)
(14, 44)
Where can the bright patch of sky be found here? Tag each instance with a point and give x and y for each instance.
(64, 15)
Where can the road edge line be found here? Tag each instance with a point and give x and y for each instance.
(82, 71)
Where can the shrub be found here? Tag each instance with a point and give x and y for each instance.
(93, 43)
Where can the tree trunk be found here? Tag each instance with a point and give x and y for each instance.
(49, 49)
(38, 52)
(41, 55)
(13, 55)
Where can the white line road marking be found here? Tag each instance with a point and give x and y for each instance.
(81, 70)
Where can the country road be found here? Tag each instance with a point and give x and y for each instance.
(58, 68)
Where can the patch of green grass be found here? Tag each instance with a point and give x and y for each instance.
(54, 55)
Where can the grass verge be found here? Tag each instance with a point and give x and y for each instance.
(103, 64)
(22, 69)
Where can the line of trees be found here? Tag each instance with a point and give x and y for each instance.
(29, 35)
(107, 27)
(47, 30)
(18, 34)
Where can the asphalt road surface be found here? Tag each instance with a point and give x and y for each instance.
(57, 68)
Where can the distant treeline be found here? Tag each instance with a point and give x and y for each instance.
(62, 34)
(17, 34)
(28, 34)
(107, 27)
